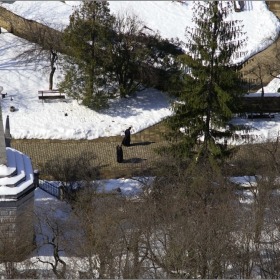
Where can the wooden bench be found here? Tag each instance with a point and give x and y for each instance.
(50, 94)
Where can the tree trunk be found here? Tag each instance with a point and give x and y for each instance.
(53, 58)
(51, 78)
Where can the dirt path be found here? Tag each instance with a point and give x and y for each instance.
(138, 158)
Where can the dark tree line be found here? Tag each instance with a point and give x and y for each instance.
(185, 223)
(110, 55)
(100, 55)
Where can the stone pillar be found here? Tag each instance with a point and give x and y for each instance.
(3, 155)
(61, 196)
(36, 178)
(7, 132)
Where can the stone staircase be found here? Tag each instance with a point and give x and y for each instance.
(17, 178)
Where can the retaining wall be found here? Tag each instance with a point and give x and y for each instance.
(22, 27)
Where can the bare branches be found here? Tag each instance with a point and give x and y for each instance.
(44, 50)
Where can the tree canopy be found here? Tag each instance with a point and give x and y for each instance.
(204, 95)
(110, 55)
(87, 38)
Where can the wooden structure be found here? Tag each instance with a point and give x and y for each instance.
(50, 94)
(270, 104)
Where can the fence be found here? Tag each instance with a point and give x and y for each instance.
(53, 189)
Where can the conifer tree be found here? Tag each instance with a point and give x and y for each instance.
(205, 95)
(86, 39)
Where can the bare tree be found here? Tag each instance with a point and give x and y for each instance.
(269, 256)
(53, 232)
(45, 45)
(190, 218)
(272, 66)
(17, 240)
(259, 71)
(94, 219)
(72, 173)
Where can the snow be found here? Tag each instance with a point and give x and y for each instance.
(52, 13)
(127, 187)
(172, 18)
(6, 171)
(245, 181)
(45, 202)
(13, 180)
(48, 120)
(260, 130)
(12, 186)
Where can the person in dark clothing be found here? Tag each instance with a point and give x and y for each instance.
(126, 139)
(119, 154)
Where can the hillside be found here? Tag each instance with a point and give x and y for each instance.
(48, 120)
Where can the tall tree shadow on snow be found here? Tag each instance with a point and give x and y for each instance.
(134, 105)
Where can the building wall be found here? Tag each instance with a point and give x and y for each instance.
(22, 27)
(274, 6)
(17, 228)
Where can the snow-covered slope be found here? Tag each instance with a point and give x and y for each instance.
(35, 119)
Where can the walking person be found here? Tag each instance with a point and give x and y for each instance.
(119, 154)
(126, 139)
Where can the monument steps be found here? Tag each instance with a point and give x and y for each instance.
(14, 187)
(20, 168)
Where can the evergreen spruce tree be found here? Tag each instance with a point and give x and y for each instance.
(206, 94)
(87, 39)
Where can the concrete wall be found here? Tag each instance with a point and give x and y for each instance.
(22, 27)
(273, 5)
